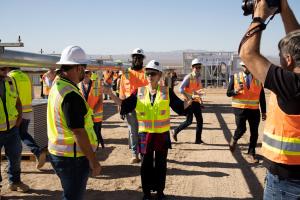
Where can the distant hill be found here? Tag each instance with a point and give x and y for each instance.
(169, 58)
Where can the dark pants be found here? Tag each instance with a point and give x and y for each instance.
(11, 142)
(153, 174)
(27, 138)
(196, 110)
(253, 117)
(73, 174)
(97, 129)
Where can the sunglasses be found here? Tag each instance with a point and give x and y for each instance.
(197, 67)
(151, 73)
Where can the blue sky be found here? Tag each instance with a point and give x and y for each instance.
(118, 26)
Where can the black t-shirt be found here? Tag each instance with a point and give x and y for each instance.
(74, 109)
(286, 85)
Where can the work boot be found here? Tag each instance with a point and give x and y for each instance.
(160, 196)
(232, 145)
(174, 135)
(199, 141)
(252, 159)
(41, 160)
(20, 186)
(135, 159)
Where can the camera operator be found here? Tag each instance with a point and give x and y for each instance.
(281, 141)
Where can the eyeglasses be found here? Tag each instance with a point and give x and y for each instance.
(197, 67)
(151, 73)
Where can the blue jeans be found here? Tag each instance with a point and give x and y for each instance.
(133, 128)
(27, 138)
(11, 142)
(73, 174)
(281, 189)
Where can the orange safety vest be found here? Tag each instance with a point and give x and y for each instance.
(108, 78)
(130, 81)
(194, 85)
(95, 95)
(247, 98)
(281, 141)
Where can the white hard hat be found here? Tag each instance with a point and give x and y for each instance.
(196, 61)
(153, 64)
(73, 55)
(138, 51)
(242, 63)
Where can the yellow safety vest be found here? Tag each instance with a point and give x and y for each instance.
(24, 89)
(61, 138)
(156, 118)
(8, 121)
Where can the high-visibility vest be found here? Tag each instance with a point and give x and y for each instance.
(131, 80)
(281, 140)
(247, 98)
(60, 137)
(156, 118)
(194, 85)
(9, 121)
(24, 89)
(46, 88)
(94, 96)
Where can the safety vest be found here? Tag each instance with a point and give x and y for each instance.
(156, 118)
(94, 97)
(61, 138)
(247, 98)
(281, 140)
(46, 88)
(194, 85)
(24, 89)
(131, 80)
(9, 121)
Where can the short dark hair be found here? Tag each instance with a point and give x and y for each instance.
(290, 44)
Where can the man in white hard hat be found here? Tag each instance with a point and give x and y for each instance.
(247, 95)
(133, 78)
(191, 89)
(72, 139)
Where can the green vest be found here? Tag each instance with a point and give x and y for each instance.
(10, 105)
(24, 89)
(156, 118)
(61, 138)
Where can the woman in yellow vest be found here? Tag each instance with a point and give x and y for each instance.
(152, 105)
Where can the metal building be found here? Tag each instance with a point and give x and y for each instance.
(217, 66)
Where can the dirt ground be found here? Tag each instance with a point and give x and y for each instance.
(207, 171)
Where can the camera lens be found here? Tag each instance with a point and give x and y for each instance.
(247, 7)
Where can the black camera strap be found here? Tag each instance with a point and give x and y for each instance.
(260, 27)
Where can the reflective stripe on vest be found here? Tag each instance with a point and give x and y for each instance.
(281, 140)
(10, 104)
(24, 88)
(247, 98)
(153, 118)
(61, 138)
